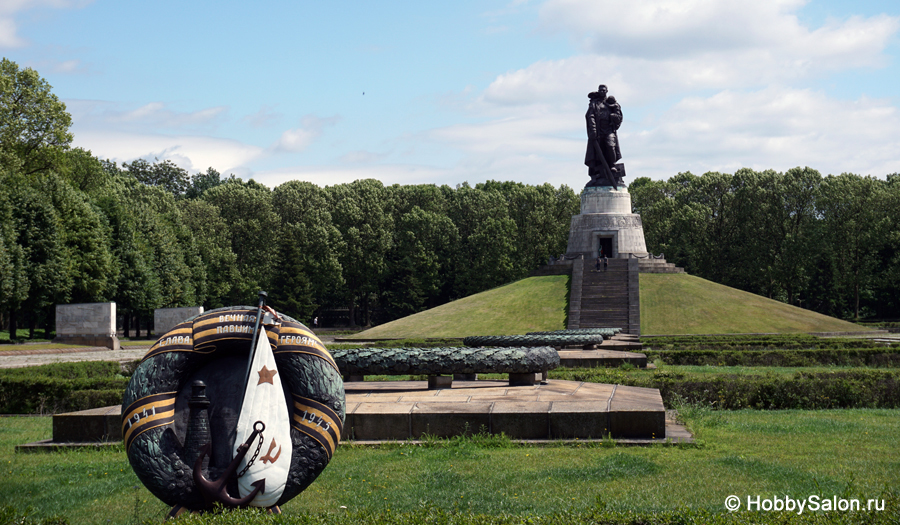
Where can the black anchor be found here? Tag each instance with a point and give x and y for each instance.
(216, 491)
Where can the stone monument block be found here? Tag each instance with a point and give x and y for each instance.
(90, 324)
(165, 319)
(606, 220)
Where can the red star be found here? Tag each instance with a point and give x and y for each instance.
(266, 375)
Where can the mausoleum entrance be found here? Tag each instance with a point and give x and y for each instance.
(605, 245)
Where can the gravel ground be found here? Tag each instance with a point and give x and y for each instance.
(25, 357)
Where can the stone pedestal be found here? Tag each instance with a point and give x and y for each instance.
(606, 218)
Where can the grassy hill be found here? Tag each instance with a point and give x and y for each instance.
(529, 305)
(670, 304)
(685, 304)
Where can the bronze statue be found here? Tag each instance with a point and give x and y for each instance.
(604, 116)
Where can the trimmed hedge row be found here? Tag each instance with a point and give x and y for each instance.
(873, 357)
(61, 387)
(534, 340)
(605, 332)
(755, 342)
(802, 390)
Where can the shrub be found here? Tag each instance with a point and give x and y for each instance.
(61, 387)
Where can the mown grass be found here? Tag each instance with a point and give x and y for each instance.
(670, 304)
(686, 304)
(22, 335)
(532, 304)
(848, 453)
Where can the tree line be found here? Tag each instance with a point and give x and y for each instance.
(147, 235)
(830, 244)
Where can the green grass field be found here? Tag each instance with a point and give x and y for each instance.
(845, 453)
(685, 304)
(670, 304)
(533, 304)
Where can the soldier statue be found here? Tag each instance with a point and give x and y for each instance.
(604, 116)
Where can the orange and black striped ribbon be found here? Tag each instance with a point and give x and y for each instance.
(317, 421)
(297, 340)
(146, 413)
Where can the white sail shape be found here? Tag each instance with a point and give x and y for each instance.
(264, 401)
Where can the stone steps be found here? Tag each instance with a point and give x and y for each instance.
(658, 266)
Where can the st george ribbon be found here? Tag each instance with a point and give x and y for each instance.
(264, 401)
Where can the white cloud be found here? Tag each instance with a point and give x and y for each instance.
(8, 36)
(649, 49)
(679, 28)
(330, 175)
(774, 128)
(9, 8)
(193, 153)
(155, 116)
(298, 139)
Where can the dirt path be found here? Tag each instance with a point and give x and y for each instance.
(27, 357)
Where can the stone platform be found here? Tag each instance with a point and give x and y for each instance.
(400, 410)
(93, 428)
(380, 411)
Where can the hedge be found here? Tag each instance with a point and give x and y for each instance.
(755, 342)
(61, 387)
(802, 390)
(874, 357)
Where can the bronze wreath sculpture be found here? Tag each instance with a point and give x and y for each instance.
(183, 443)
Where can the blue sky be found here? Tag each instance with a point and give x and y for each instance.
(428, 92)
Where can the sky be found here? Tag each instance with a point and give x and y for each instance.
(412, 92)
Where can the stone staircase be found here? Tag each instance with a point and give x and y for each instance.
(606, 298)
(658, 266)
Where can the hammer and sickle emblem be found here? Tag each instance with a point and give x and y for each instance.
(268, 457)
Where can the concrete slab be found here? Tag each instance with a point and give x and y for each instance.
(380, 421)
(578, 419)
(556, 410)
(96, 424)
(521, 419)
(448, 419)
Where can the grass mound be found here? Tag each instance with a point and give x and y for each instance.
(686, 304)
(529, 305)
(670, 304)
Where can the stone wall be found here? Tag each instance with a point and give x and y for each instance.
(91, 324)
(164, 319)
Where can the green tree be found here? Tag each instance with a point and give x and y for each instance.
(542, 215)
(361, 212)
(246, 207)
(856, 225)
(485, 255)
(14, 281)
(34, 125)
(308, 271)
(419, 262)
(84, 172)
(202, 182)
(213, 240)
(166, 175)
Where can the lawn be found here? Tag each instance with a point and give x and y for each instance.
(670, 304)
(844, 453)
(529, 305)
(686, 304)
